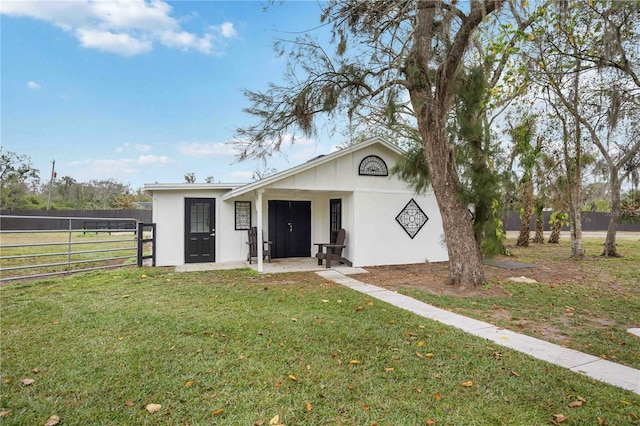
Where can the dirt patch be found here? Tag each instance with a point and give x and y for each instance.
(433, 277)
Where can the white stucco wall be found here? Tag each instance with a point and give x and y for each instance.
(382, 241)
(168, 214)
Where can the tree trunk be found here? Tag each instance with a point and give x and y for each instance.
(527, 213)
(465, 260)
(556, 228)
(539, 237)
(575, 173)
(610, 242)
(431, 98)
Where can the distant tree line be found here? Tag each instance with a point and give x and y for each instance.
(22, 188)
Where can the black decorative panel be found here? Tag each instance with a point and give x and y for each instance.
(243, 215)
(373, 165)
(412, 218)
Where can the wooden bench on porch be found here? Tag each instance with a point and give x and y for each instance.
(332, 252)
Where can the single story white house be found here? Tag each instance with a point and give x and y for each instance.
(386, 222)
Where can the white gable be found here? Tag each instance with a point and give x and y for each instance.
(334, 172)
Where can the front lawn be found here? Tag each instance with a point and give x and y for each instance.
(236, 348)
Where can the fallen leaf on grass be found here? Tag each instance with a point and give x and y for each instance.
(292, 377)
(278, 384)
(52, 421)
(128, 403)
(275, 421)
(602, 422)
(467, 384)
(35, 371)
(420, 343)
(189, 384)
(153, 408)
(515, 374)
(309, 407)
(430, 422)
(218, 412)
(558, 418)
(8, 380)
(354, 361)
(625, 402)
(365, 407)
(438, 397)
(5, 413)
(429, 355)
(258, 423)
(325, 301)
(574, 404)
(358, 308)
(370, 303)
(27, 382)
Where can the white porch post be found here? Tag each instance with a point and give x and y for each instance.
(259, 229)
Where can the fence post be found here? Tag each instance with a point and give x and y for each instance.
(140, 242)
(69, 246)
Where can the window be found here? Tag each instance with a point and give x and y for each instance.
(243, 215)
(373, 165)
(200, 217)
(335, 218)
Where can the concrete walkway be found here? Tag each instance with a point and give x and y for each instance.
(589, 365)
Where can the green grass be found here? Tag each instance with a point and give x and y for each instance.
(108, 343)
(587, 305)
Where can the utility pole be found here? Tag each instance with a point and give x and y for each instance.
(53, 176)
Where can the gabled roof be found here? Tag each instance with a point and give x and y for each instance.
(317, 161)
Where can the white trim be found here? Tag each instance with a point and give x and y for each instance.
(236, 192)
(190, 186)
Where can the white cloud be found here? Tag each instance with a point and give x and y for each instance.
(126, 27)
(118, 168)
(138, 147)
(123, 147)
(154, 159)
(33, 85)
(200, 149)
(121, 43)
(227, 30)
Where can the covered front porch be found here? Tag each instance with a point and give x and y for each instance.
(290, 264)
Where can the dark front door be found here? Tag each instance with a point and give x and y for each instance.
(200, 230)
(290, 228)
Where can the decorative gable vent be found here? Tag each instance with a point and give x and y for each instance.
(373, 165)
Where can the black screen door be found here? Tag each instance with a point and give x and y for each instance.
(290, 228)
(200, 231)
(335, 218)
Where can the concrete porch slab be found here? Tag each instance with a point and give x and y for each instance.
(292, 264)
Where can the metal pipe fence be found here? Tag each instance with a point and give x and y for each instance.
(81, 244)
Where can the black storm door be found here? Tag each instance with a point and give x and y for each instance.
(290, 228)
(200, 230)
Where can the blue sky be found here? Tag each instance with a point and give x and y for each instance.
(142, 92)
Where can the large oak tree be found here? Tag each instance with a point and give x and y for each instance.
(387, 52)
